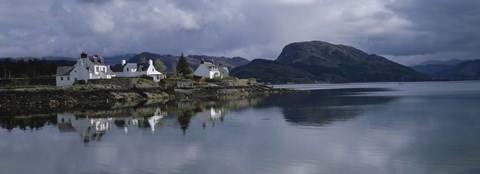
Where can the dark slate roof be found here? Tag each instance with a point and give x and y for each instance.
(131, 65)
(117, 68)
(97, 60)
(142, 66)
(64, 70)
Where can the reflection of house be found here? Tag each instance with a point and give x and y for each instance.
(212, 116)
(157, 116)
(134, 70)
(89, 128)
(210, 70)
(85, 68)
(94, 128)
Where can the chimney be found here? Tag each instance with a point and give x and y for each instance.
(202, 61)
(84, 55)
(124, 62)
(150, 62)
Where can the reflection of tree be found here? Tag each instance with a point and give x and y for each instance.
(152, 116)
(184, 120)
(23, 123)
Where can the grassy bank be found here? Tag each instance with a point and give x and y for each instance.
(106, 93)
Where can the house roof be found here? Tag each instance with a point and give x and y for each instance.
(117, 68)
(143, 66)
(225, 69)
(131, 65)
(64, 70)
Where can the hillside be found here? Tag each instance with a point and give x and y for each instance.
(465, 70)
(325, 62)
(193, 60)
(436, 67)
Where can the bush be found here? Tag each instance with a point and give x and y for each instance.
(81, 82)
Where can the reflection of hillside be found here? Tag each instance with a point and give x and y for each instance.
(323, 106)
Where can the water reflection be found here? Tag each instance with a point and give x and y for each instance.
(93, 129)
(347, 131)
(316, 108)
(94, 125)
(27, 122)
(321, 107)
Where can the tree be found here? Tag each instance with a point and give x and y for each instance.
(142, 59)
(182, 66)
(159, 65)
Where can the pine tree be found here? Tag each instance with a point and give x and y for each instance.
(142, 59)
(182, 66)
(159, 65)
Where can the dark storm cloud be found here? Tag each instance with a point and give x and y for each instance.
(405, 30)
(439, 29)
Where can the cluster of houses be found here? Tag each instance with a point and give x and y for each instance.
(94, 67)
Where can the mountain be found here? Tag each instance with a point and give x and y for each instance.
(116, 59)
(193, 60)
(431, 69)
(465, 70)
(451, 62)
(434, 67)
(452, 69)
(321, 61)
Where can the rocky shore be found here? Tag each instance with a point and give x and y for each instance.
(104, 95)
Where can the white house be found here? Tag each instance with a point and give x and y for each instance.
(134, 70)
(85, 68)
(210, 70)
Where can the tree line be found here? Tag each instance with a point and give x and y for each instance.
(40, 68)
(32, 68)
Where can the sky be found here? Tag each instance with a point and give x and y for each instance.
(406, 31)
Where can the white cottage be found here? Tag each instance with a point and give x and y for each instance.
(210, 70)
(84, 69)
(134, 70)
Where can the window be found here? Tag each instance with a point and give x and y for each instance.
(68, 78)
(75, 79)
(61, 78)
(97, 69)
(128, 70)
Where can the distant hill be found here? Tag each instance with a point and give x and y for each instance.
(193, 60)
(465, 70)
(451, 62)
(305, 62)
(116, 59)
(452, 69)
(434, 67)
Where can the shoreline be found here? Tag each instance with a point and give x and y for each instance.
(44, 99)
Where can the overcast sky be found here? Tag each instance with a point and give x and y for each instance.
(406, 31)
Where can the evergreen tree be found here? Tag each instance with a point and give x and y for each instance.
(142, 60)
(182, 66)
(159, 65)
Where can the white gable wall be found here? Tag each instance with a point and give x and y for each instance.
(79, 72)
(151, 71)
(205, 71)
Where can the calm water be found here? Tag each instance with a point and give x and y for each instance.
(366, 128)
